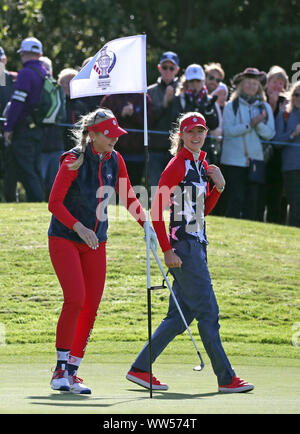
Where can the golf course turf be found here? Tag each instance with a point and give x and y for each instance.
(255, 272)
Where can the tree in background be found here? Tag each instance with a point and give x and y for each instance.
(236, 33)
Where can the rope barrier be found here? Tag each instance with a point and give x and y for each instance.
(132, 130)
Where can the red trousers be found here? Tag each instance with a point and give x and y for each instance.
(81, 274)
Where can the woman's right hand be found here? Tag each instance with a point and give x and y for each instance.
(87, 235)
(169, 95)
(172, 260)
(257, 119)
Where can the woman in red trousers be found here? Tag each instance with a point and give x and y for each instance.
(89, 174)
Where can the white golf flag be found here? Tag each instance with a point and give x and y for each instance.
(119, 67)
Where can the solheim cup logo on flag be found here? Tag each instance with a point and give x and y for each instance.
(104, 64)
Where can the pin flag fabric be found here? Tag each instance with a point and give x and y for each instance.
(119, 67)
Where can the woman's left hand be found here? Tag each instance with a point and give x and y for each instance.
(87, 235)
(215, 174)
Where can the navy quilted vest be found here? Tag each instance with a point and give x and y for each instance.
(88, 196)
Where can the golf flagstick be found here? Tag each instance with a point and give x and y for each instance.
(201, 366)
(148, 241)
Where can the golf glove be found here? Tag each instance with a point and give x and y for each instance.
(152, 236)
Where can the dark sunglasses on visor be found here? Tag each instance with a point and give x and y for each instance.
(101, 115)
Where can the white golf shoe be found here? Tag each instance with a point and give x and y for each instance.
(77, 386)
(60, 381)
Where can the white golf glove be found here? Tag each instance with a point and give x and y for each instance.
(152, 236)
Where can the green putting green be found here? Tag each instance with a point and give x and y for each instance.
(25, 389)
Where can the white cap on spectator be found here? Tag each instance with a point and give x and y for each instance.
(194, 72)
(31, 45)
(221, 86)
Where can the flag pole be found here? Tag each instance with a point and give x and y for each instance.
(148, 240)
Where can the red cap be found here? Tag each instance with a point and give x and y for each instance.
(191, 122)
(109, 128)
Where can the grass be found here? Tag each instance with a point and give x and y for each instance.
(254, 268)
(112, 394)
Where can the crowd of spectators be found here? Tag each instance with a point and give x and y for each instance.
(243, 113)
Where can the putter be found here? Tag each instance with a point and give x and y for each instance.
(201, 366)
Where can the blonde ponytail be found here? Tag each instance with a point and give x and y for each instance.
(81, 148)
(176, 140)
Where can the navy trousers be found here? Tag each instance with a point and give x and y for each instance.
(194, 292)
(26, 150)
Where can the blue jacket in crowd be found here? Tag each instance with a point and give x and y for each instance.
(284, 128)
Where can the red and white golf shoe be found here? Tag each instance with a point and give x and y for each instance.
(237, 385)
(77, 386)
(143, 379)
(59, 380)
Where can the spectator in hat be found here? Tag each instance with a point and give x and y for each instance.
(7, 79)
(162, 94)
(214, 75)
(273, 205)
(248, 119)
(192, 96)
(22, 134)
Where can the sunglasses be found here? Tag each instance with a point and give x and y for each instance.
(101, 115)
(171, 68)
(296, 94)
(212, 77)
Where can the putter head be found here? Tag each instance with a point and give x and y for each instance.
(198, 368)
(201, 366)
